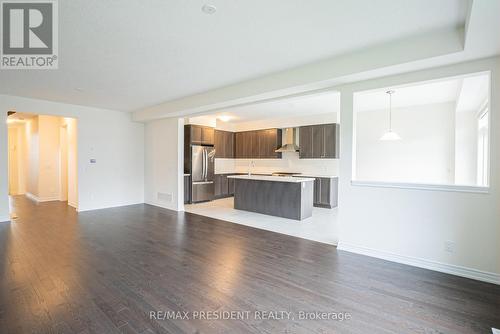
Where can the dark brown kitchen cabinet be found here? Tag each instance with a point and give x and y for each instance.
(239, 145)
(207, 135)
(230, 186)
(199, 135)
(269, 142)
(258, 144)
(223, 185)
(219, 144)
(187, 188)
(319, 141)
(325, 193)
(224, 144)
(254, 138)
(229, 144)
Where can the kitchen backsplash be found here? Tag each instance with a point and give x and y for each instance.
(290, 162)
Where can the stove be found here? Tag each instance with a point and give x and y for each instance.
(285, 174)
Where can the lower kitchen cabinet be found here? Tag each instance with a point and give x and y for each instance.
(230, 186)
(187, 189)
(326, 192)
(224, 187)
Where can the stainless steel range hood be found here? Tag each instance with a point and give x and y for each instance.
(289, 141)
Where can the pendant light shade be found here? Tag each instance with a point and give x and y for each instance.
(390, 135)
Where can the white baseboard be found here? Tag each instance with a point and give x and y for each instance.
(423, 263)
(163, 206)
(48, 199)
(74, 205)
(42, 199)
(32, 197)
(4, 219)
(107, 207)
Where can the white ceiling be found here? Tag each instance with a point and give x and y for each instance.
(474, 93)
(316, 104)
(414, 95)
(467, 92)
(129, 54)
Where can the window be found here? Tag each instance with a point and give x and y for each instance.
(482, 148)
(427, 133)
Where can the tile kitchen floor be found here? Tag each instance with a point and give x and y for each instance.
(321, 227)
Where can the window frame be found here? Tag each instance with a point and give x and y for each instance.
(479, 189)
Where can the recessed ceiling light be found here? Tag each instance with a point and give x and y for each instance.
(224, 118)
(208, 9)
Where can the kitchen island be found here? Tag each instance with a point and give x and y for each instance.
(288, 197)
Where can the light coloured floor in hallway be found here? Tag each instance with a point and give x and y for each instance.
(322, 226)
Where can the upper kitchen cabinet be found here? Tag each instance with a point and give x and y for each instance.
(200, 135)
(269, 142)
(258, 144)
(224, 144)
(319, 141)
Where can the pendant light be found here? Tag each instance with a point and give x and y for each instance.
(390, 135)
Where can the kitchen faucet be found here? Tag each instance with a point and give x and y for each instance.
(251, 164)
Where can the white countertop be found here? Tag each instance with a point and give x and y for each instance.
(272, 178)
(298, 174)
(318, 175)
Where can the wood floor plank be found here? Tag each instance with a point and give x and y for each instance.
(105, 271)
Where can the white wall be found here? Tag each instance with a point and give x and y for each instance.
(72, 160)
(466, 137)
(413, 225)
(425, 154)
(49, 167)
(18, 168)
(283, 122)
(33, 156)
(289, 162)
(164, 163)
(109, 136)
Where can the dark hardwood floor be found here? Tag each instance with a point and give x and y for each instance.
(105, 271)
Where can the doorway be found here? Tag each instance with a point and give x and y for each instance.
(42, 158)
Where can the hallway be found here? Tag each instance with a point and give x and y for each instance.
(104, 271)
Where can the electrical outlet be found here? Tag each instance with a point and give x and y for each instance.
(449, 246)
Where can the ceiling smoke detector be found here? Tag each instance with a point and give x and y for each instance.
(208, 9)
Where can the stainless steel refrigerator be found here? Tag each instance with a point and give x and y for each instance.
(202, 173)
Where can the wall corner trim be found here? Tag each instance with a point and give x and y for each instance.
(163, 206)
(461, 271)
(32, 197)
